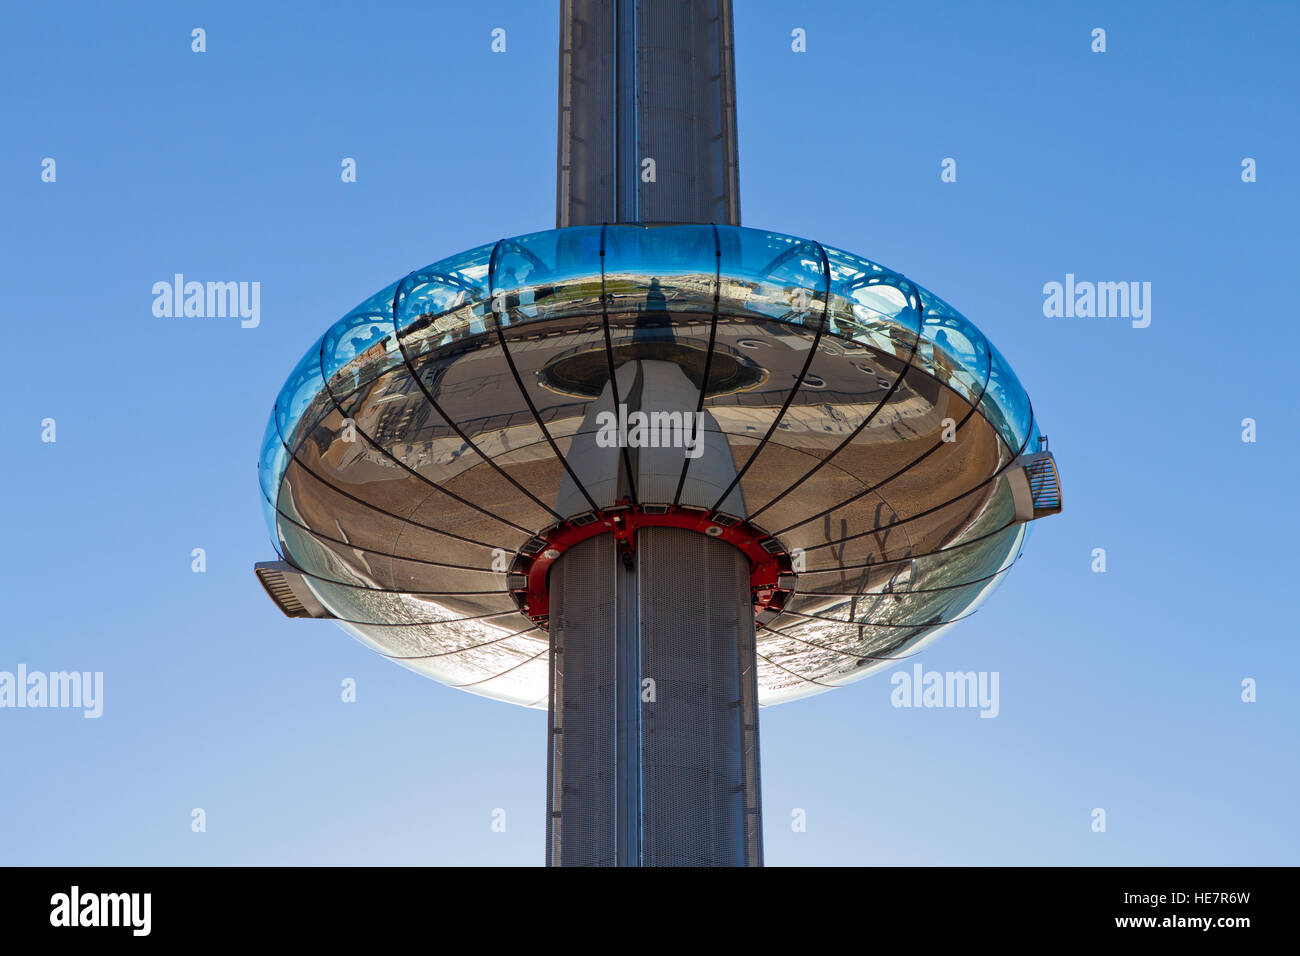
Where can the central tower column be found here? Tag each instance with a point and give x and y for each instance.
(653, 734)
(653, 755)
(646, 80)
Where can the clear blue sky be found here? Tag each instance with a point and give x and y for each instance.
(1118, 690)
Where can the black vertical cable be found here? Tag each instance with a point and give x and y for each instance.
(708, 359)
(798, 383)
(528, 399)
(609, 359)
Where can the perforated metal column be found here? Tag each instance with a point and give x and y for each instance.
(646, 80)
(580, 763)
(653, 757)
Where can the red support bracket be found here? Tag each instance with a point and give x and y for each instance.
(771, 577)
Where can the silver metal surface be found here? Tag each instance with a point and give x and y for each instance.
(653, 731)
(646, 80)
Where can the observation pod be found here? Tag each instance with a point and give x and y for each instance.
(861, 445)
(649, 476)
(437, 449)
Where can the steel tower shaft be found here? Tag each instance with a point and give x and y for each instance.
(647, 113)
(653, 723)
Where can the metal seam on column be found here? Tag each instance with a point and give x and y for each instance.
(565, 94)
(625, 130)
(727, 70)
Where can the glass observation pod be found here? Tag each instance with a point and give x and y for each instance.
(433, 440)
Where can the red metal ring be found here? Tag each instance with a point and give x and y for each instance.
(771, 577)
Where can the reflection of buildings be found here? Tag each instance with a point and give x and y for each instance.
(871, 463)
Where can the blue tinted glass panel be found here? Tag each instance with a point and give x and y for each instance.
(872, 305)
(445, 301)
(660, 269)
(1006, 403)
(772, 274)
(302, 386)
(545, 275)
(270, 469)
(362, 345)
(954, 351)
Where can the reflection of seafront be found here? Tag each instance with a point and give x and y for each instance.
(403, 410)
(467, 385)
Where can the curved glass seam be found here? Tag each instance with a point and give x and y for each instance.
(878, 660)
(874, 488)
(397, 518)
(992, 480)
(831, 650)
(708, 356)
(459, 283)
(461, 650)
(497, 311)
(291, 456)
(799, 380)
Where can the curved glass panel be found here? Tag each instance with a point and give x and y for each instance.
(444, 301)
(510, 670)
(1005, 403)
(954, 352)
(362, 345)
(394, 609)
(545, 275)
(300, 389)
(771, 274)
(661, 269)
(271, 464)
(872, 305)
